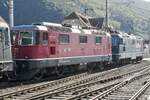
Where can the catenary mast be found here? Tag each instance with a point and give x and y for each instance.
(106, 17)
(11, 13)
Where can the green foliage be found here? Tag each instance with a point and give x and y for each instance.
(115, 24)
(128, 13)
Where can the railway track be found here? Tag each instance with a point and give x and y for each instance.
(144, 92)
(79, 92)
(74, 86)
(129, 89)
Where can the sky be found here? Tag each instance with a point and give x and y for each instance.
(147, 0)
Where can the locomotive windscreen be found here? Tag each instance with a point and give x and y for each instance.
(4, 44)
(4, 38)
(26, 37)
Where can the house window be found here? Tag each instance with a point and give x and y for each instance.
(98, 39)
(83, 39)
(64, 38)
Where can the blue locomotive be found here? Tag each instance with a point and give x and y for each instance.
(126, 48)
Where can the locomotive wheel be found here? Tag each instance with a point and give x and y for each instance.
(100, 66)
(90, 68)
(5, 77)
(9, 76)
(59, 70)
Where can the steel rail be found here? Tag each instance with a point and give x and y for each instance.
(55, 83)
(49, 93)
(92, 92)
(100, 96)
(137, 94)
(52, 83)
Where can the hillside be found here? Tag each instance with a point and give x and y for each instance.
(126, 15)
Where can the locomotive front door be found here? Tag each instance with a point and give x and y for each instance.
(52, 45)
(1, 46)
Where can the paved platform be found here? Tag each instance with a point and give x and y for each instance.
(147, 59)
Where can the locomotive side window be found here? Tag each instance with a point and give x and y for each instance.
(6, 36)
(64, 38)
(36, 39)
(98, 39)
(121, 41)
(83, 39)
(133, 41)
(124, 48)
(1, 35)
(14, 37)
(45, 38)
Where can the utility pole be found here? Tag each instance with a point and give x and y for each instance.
(149, 33)
(11, 13)
(106, 17)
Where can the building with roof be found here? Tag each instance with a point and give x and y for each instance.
(77, 19)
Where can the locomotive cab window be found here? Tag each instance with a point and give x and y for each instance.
(14, 36)
(124, 48)
(83, 39)
(26, 37)
(115, 40)
(45, 38)
(4, 35)
(121, 41)
(98, 40)
(64, 38)
(1, 35)
(133, 41)
(36, 39)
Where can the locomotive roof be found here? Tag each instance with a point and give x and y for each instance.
(123, 35)
(58, 27)
(29, 27)
(3, 23)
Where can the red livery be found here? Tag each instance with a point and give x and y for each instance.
(50, 47)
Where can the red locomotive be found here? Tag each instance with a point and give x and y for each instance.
(46, 48)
